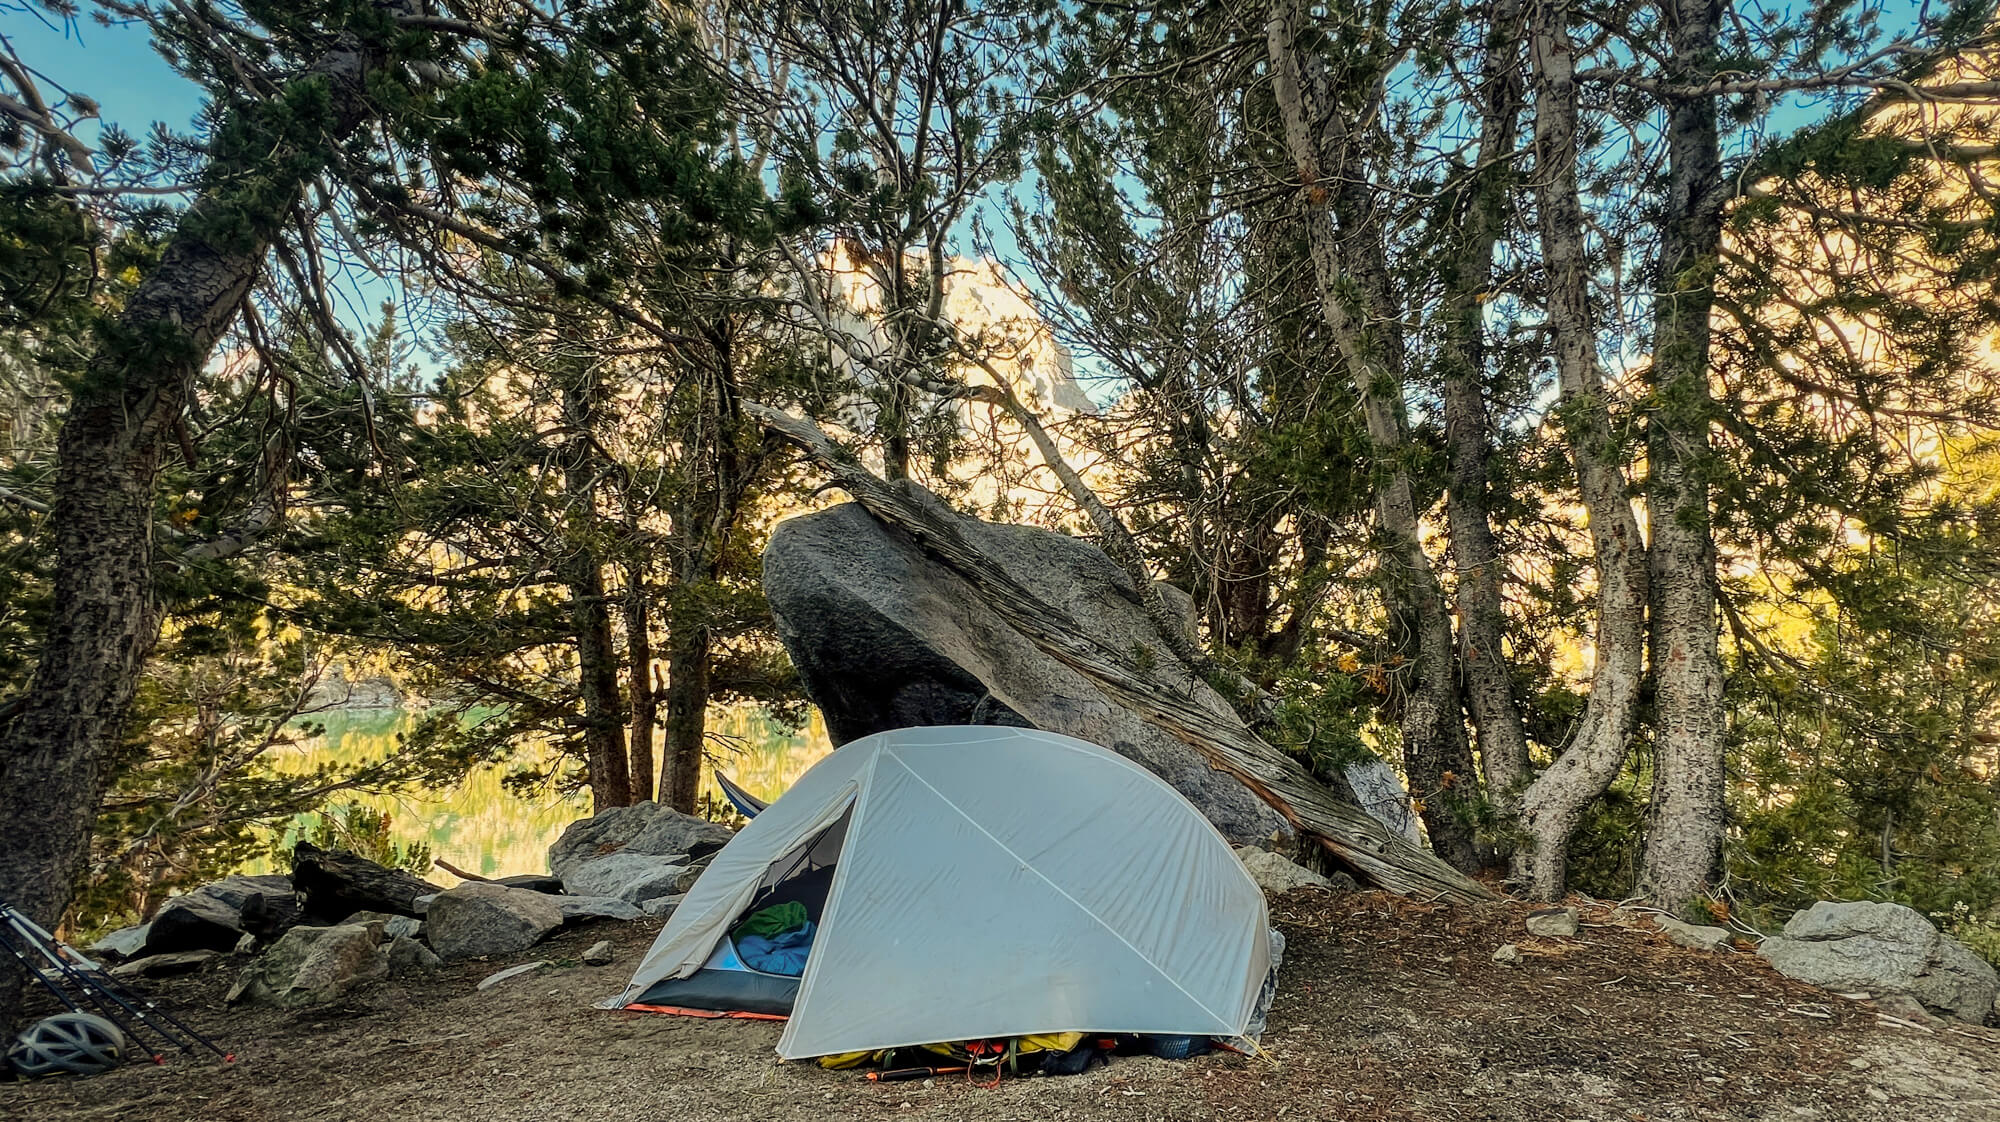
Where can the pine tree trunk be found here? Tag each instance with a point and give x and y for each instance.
(590, 611)
(1554, 804)
(1349, 257)
(687, 714)
(109, 451)
(1489, 688)
(639, 674)
(1686, 818)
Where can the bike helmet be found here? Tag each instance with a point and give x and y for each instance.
(78, 1043)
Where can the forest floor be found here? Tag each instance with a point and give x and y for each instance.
(1387, 1010)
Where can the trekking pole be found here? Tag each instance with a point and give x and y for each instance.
(905, 1074)
(92, 979)
(105, 1007)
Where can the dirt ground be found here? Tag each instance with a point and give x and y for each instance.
(1387, 1010)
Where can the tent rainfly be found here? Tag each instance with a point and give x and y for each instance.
(970, 883)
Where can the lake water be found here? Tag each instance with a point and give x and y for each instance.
(483, 828)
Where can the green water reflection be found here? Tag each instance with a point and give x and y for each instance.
(483, 828)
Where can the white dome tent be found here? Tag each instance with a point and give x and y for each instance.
(975, 882)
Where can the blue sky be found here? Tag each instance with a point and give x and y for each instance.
(115, 65)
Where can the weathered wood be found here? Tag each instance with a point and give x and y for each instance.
(334, 884)
(1356, 840)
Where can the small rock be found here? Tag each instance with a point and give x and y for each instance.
(126, 942)
(406, 955)
(247, 944)
(1553, 923)
(492, 980)
(421, 905)
(1507, 954)
(161, 965)
(1693, 936)
(583, 909)
(1859, 1064)
(599, 953)
(1878, 1094)
(660, 907)
(388, 926)
(477, 919)
(1277, 875)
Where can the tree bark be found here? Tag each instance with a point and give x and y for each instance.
(687, 712)
(1554, 804)
(1354, 839)
(639, 674)
(590, 612)
(1349, 255)
(1489, 688)
(1684, 834)
(121, 417)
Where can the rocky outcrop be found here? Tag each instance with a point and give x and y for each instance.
(1882, 949)
(312, 966)
(211, 917)
(478, 918)
(885, 637)
(647, 829)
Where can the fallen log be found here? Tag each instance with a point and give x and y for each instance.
(333, 884)
(1354, 839)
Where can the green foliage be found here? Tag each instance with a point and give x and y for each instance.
(358, 830)
(1979, 933)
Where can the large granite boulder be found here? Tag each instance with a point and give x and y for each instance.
(884, 638)
(1882, 949)
(479, 918)
(211, 917)
(631, 877)
(647, 828)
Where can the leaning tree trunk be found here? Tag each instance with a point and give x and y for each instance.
(1344, 830)
(121, 419)
(1350, 265)
(1684, 832)
(1554, 805)
(1489, 688)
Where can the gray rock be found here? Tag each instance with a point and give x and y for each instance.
(643, 828)
(886, 638)
(685, 882)
(583, 909)
(1553, 923)
(476, 919)
(162, 965)
(1904, 1007)
(1882, 949)
(389, 926)
(599, 954)
(660, 907)
(1276, 875)
(211, 917)
(407, 956)
(630, 877)
(1507, 954)
(312, 966)
(126, 942)
(421, 905)
(1693, 936)
(495, 979)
